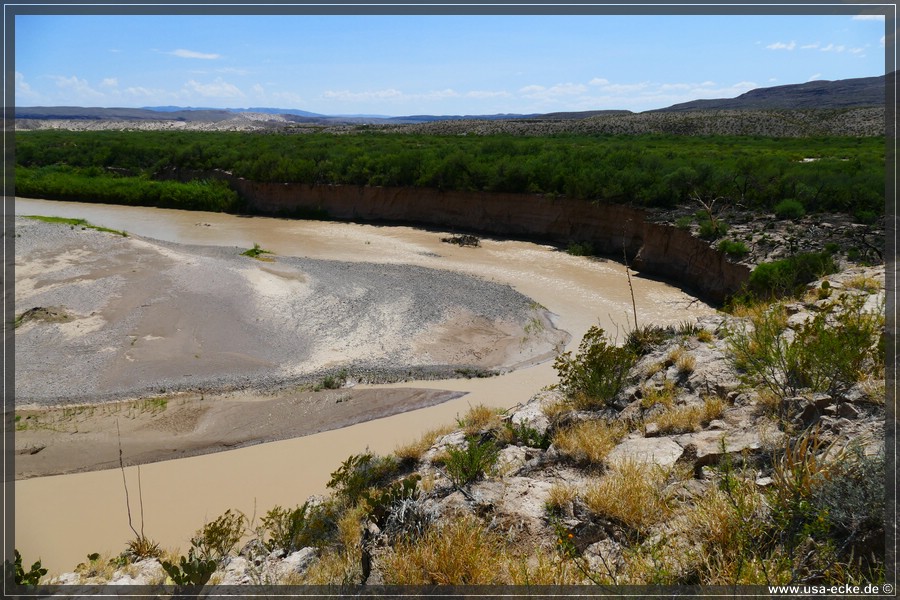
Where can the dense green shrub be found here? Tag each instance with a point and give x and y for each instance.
(360, 472)
(594, 376)
(787, 276)
(789, 208)
(217, 539)
(299, 527)
(732, 248)
(472, 462)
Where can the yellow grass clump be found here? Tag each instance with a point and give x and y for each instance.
(589, 441)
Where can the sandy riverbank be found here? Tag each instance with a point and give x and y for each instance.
(194, 349)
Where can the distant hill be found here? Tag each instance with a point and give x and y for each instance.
(843, 93)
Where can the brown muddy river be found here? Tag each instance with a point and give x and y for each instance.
(63, 518)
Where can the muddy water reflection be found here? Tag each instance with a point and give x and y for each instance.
(63, 518)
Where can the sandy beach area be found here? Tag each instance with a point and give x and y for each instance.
(182, 349)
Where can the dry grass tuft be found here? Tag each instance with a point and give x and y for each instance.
(705, 336)
(462, 552)
(686, 364)
(561, 494)
(651, 396)
(685, 419)
(413, 451)
(481, 418)
(864, 283)
(630, 492)
(588, 441)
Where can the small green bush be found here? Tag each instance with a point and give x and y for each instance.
(866, 217)
(360, 472)
(467, 465)
(217, 539)
(684, 222)
(299, 527)
(581, 249)
(597, 373)
(710, 230)
(731, 248)
(789, 208)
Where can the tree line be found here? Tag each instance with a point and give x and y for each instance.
(842, 174)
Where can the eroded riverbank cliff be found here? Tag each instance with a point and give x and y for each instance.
(611, 229)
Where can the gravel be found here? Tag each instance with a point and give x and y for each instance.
(154, 317)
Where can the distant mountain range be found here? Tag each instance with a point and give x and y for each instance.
(844, 93)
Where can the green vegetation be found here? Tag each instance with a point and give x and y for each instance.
(256, 252)
(30, 577)
(828, 352)
(789, 209)
(648, 170)
(787, 276)
(472, 462)
(593, 377)
(65, 182)
(218, 538)
(735, 249)
(73, 223)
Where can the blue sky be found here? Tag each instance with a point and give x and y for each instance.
(415, 64)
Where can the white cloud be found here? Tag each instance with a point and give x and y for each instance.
(24, 89)
(539, 92)
(815, 77)
(782, 46)
(882, 41)
(598, 81)
(484, 94)
(143, 92)
(396, 96)
(182, 53)
(810, 46)
(869, 18)
(216, 89)
(110, 82)
(78, 87)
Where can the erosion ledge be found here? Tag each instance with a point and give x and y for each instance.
(653, 248)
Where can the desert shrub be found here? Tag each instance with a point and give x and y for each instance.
(472, 462)
(827, 353)
(597, 373)
(141, 547)
(360, 472)
(218, 538)
(853, 498)
(525, 435)
(789, 275)
(789, 208)
(735, 249)
(684, 419)
(299, 527)
(712, 230)
(684, 222)
(644, 339)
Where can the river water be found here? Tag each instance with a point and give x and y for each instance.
(61, 519)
